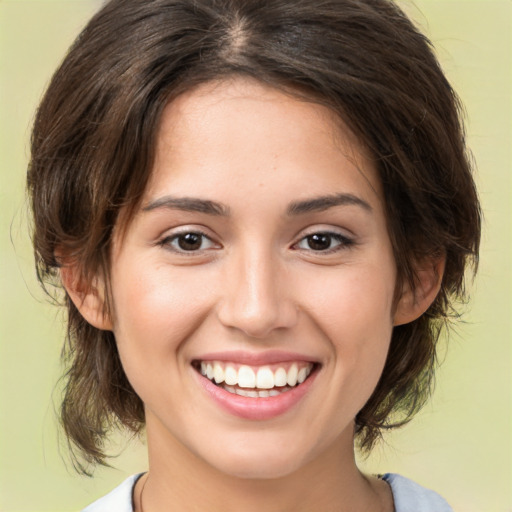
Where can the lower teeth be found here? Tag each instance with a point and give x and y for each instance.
(253, 393)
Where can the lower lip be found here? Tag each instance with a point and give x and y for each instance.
(261, 408)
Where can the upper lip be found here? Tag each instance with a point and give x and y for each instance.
(256, 358)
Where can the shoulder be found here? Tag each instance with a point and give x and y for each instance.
(410, 496)
(118, 500)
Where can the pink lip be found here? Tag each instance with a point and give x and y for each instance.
(260, 409)
(256, 359)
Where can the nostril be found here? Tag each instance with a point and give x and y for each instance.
(254, 299)
(258, 320)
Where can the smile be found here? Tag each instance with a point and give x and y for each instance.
(256, 382)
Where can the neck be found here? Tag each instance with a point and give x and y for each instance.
(330, 482)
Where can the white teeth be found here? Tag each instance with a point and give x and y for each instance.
(230, 376)
(292, 375)
(255, 394)
(218, 373)
(255, 381)
(301, 377)
(280, 377)
(265, 378)
(247, 393)
(246, 377)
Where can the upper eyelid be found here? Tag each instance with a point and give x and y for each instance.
(327, 229)
(180, 230)
(173, 236)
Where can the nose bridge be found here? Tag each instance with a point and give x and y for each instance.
(255, 300)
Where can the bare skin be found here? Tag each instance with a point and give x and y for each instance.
(282, 495)
(290, 253)
(328, 482)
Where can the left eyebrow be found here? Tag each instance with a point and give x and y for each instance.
(322, 203)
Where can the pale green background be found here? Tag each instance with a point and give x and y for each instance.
(460, 445)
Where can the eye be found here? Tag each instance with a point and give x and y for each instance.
(189, 241)
(323, 242)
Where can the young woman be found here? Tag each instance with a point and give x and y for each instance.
(261, 213)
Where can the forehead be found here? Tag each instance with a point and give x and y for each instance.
(239, 131)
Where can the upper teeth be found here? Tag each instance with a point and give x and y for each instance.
(263, 377)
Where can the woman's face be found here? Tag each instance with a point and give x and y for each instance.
(260, 256)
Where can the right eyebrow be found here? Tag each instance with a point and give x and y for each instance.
(188, 204)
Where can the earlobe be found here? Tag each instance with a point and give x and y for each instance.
(414, 302)
(89, 298)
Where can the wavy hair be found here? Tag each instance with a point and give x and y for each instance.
(93, 145)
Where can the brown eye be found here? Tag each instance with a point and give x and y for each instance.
(324, 242)
(188, 241)
(319, 241)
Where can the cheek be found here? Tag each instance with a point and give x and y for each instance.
(353, 300)
(154, 312)
(150, 298)
(354, 310)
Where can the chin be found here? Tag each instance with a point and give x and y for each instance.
(250, 460)
(263, 468)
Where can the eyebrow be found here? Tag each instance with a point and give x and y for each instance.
(322, 203)
(316, 204)
(189, 204)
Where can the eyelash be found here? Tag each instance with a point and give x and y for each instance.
(343, 242)
(168, 241)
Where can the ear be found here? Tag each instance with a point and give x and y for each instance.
(89, 298)
(414, 302)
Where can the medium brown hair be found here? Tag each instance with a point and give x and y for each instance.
(93, 144)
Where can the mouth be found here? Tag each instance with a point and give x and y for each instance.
(265, 381)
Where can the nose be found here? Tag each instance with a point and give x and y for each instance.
(256, 296)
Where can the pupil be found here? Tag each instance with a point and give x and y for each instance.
(319, 242)
(189, 242)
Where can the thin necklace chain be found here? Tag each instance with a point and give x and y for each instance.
(141, 509)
